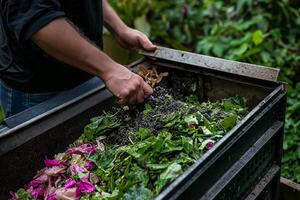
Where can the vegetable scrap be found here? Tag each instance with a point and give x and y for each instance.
(151, 76)
(136, 153)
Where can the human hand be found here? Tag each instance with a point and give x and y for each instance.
(128, 87)
(135, 40)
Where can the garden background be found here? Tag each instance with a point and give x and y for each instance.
(264, 32)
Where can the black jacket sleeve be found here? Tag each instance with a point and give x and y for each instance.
(25, 17)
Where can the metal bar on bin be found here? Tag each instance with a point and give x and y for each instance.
(233, 67)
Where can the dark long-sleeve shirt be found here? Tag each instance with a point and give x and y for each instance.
(23, 65)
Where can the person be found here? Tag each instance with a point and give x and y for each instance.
(49, 46)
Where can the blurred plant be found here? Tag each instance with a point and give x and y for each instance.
(133, 13)
(291, 159)
(1, 114)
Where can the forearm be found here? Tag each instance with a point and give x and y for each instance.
(62, 41)
(112, 20)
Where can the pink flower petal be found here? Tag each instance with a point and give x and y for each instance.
(191, 126)
(34, 183)
(38, 193)
(51, 197)
(50, 193)
(53, 163)
(43, 178)
(89, 165)
(66, 194)
(63, 176)
(82, 149)
(85, 187)
(14, 196)
(55, 171)
(76, 169)
(70, 183)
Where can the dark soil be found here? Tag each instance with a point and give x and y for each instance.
(163, 104)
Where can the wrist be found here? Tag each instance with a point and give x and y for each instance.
(110, 71)
(101, 65)
(120, 30)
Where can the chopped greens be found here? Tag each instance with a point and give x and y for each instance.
(99, 126)
(96, 168)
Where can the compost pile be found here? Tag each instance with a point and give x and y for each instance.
(135, 153)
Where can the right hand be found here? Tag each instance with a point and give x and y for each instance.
(128, 87)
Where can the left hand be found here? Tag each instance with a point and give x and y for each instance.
(135, 40)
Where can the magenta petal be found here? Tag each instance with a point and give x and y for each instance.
(78, 193)
(63, 176)
(210, 145)
(50, 193)
(14, 196)
(76, 169)
(70, 183)
(53, 163)
(89, 165)
(191, 126)
(38, 193)
(82, 149)
(84, 186)
(52, 197)
(55, 171)
(43, 178)
(35, 183)
(66, 194)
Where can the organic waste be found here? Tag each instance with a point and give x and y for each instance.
(135, 153)
(151, 76)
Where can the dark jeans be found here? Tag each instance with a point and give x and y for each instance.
(14, 101)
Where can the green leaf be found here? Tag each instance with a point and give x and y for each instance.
(158, 166)
(258, 37)
(109, 196)
(170, 146)
(137, 175)
(99, 126)
(171, 173)
(104, 159)
(187, 144)
(241, 50)
(144, 133)
(22, 194)
(229, 122)
(142, 25)
(206, 131)
(191, 119)
(138, 193)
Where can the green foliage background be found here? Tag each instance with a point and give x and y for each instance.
(264, 32)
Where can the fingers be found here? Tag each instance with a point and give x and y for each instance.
(145, 43)
(140, 96)
(147, 89)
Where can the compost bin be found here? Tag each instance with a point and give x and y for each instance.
(244, 164)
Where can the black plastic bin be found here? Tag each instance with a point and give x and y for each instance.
(245, 164)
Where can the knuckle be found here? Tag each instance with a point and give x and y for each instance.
(135, 85)
(125, 93)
